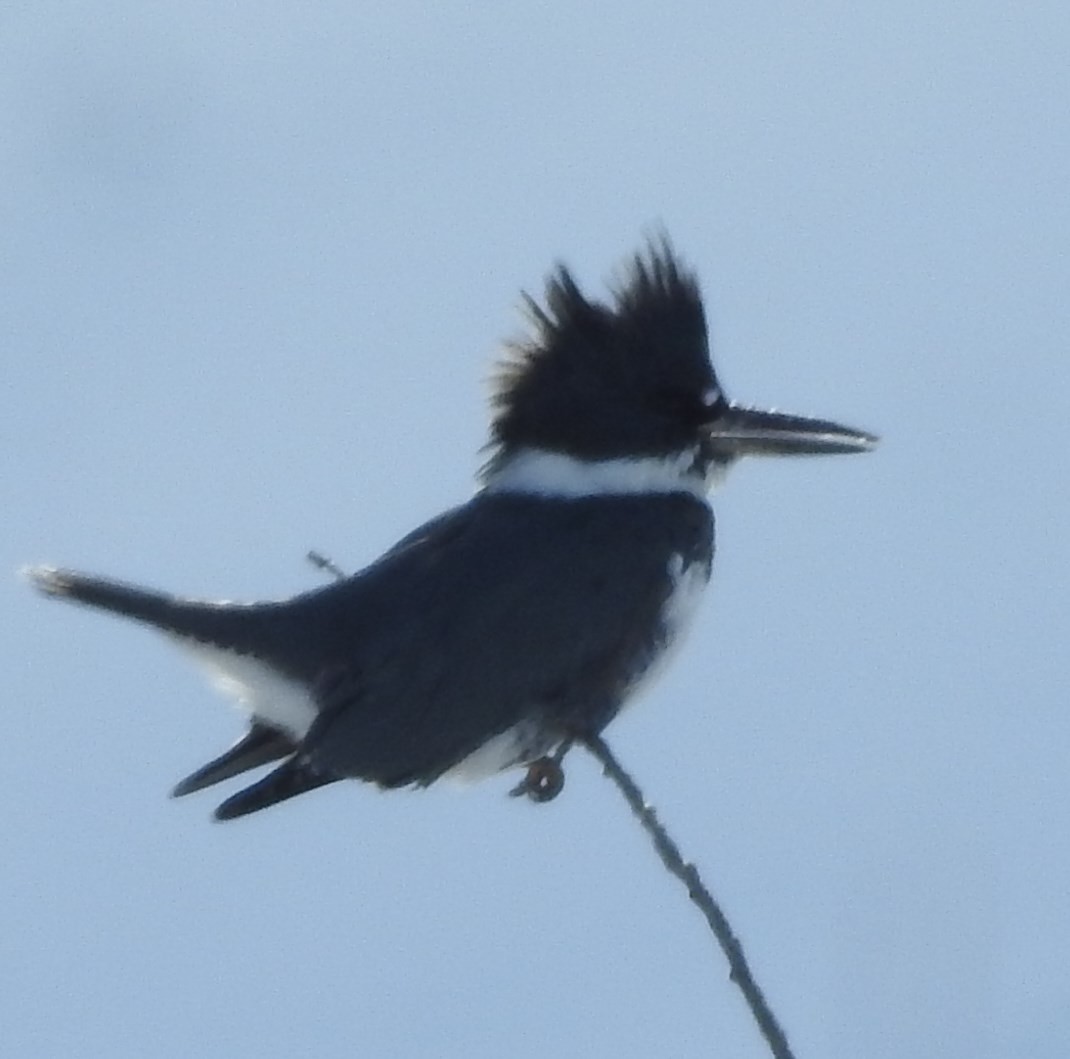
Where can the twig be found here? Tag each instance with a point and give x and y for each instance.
(688, 874)
(322, 562)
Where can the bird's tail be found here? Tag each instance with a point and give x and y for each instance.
(258, 629)
(155, 608)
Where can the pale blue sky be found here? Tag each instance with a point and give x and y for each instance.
(256, 262)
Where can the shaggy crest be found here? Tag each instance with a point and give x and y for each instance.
(642, 360)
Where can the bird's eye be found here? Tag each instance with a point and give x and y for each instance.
(714, 402)
(712, 397)
(687, 405)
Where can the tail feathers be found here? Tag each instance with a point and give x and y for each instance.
(261, 745)
(290, 779)
(120, 598)
(247, 628)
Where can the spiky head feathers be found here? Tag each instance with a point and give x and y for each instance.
(599, 381)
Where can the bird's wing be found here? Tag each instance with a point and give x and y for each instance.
(261, 745)
(508, 609)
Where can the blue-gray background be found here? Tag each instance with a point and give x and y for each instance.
(256, 260)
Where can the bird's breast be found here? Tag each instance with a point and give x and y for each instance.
(687, 580)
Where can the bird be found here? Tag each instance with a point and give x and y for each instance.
(502, 631)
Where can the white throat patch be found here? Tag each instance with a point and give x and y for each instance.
(547, 473)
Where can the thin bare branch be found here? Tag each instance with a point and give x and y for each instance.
(322, 562)
(669, 853)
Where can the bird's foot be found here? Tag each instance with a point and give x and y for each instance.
(545, 777)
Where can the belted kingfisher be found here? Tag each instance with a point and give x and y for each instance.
(521, 620)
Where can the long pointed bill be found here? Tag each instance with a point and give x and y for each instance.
(749, 432)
